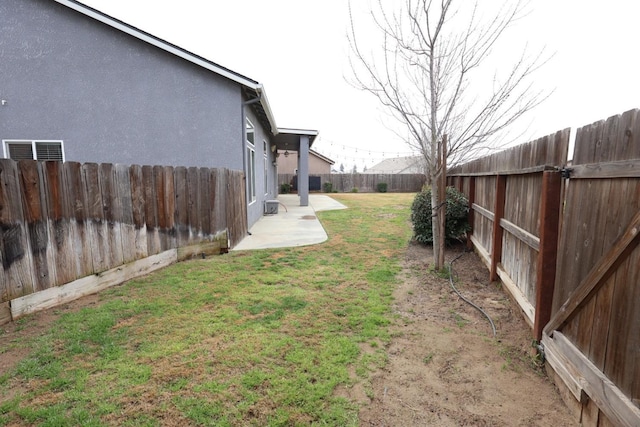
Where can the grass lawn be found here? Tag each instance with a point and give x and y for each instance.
(249, 338)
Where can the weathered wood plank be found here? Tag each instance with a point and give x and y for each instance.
(161, 202)
(521, 234)
(471, 196)
(219, 201)
(202, 250)
(5, 311)
(170, 207)
(623, 246)
(112, 208)
(138, 211)
(193, 204)
(96, 225)
(561, 365)
(16, 256)
(35, 217)
(496, 239)
(151, 210)
(78, 223)
(550, 206)
(607, 170)
(482, 252)
(623, 326)
(59, 218)
(53, 297)
(527, 308)
(609, 398)
(205, 202)
(127, 226)
(181, 206)
(482, 211)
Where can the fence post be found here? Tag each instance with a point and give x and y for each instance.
(546, 268)
(496, 235)
(472, 200)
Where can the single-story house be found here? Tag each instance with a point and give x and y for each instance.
(318, 164)
(79, 85)
(399, 165)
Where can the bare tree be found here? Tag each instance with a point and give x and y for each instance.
(421, 73)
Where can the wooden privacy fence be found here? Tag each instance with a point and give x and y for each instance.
(593, 338)
(514, 199)
(566, 244)
(67, 229)
(364, 182)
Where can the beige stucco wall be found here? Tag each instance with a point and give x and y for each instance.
(288, 165)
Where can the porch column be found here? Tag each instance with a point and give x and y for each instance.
(303, 170)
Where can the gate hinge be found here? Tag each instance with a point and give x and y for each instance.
(566, 172)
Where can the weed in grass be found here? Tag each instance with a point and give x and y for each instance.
(428, 358)
(461, 322)
(443, 273)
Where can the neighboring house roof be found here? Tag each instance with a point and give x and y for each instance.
(288, 163)
(398, 165)
(252, 87)
(321, 157)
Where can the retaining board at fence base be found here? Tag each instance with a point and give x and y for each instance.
(484, 255)
(527, 308)
(5, 312)
(601, 390)
(88, 285)
(216, 247)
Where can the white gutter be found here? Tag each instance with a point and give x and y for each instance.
(267, 108)
(309, 132)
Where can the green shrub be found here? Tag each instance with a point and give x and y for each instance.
(457, 219)
(382, 187)
(285, 188)
(327, 187)
(354, 190)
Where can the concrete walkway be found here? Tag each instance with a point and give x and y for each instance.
(293, 225)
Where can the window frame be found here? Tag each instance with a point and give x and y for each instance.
(34, 151)
(266, 168)
(251, 161)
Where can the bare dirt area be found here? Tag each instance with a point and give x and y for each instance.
(445, 368)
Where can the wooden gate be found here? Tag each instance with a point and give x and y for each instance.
(593, 338)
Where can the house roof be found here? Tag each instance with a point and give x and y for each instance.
(396, 165)
(320, 156)
(253, 89)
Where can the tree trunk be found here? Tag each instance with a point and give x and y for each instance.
(435, 220)
(436, 200)
(442, 212)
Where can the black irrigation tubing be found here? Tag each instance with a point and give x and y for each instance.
(493, 326)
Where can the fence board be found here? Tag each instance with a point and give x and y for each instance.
(181, 206)
(112, 208)
(96, 225)
(138, 205)
(151, 210)
(60, 233)
(35, 214)
(16, 259)
(193, 204)
(170, 207)
(205, 201)
(127, 227)
(74, 186)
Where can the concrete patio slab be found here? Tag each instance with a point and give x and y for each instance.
(293, 225)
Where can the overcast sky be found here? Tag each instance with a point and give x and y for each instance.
(298, 50)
